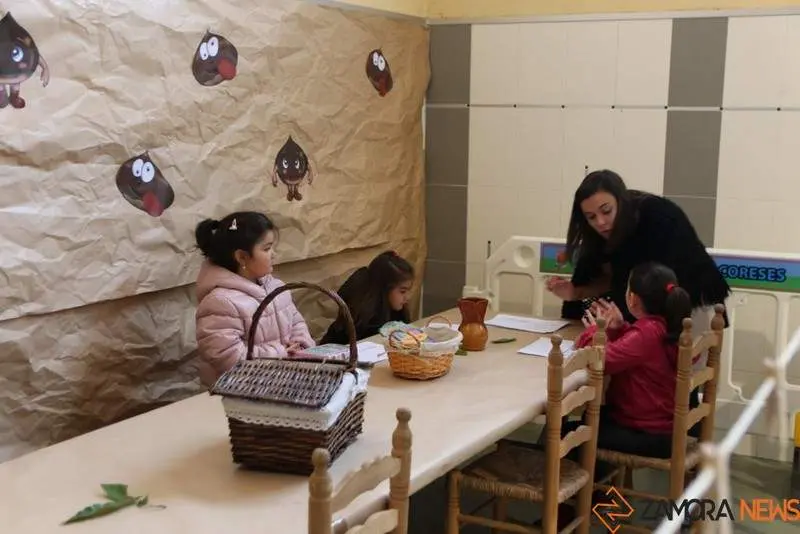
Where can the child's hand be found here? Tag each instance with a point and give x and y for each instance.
(588, 319)
(296, 346)
(608, 311)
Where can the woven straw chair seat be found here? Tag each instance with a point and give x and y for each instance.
(639, 462)
(518, 472)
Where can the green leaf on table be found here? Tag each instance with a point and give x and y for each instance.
(505, 340)
(461, 352)
(115, 492)
(118, 498)
(99, 509)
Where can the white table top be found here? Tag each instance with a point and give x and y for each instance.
(179, 455)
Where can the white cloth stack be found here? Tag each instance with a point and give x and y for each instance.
(275, 414)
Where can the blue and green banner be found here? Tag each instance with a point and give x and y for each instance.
(765, 274)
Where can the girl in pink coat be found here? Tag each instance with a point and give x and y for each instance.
(233, 280)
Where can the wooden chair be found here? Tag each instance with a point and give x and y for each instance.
(324, 502)
(685, 449)
(525, 472)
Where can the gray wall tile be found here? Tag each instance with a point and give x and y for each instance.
(442, 284)
(447, 145)
(697, 62)
(702, 213)
(692, 153)
(450, 64)
(446, 222)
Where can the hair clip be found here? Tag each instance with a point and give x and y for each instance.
(233, 226)
(670, 287)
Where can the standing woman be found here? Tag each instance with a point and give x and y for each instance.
(612, 229)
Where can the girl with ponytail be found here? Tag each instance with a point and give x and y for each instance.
(641, 361)
(234, 279)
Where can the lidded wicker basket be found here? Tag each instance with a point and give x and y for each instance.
(296, 386)
(427, 358)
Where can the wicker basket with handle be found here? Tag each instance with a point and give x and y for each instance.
(308, 384)
(422, 360)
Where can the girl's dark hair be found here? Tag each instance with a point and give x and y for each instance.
(581, 237)
(368, 297)
(657, 287)
(219, 240)
(366, 293)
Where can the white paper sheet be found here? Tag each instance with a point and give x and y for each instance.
(543, 345)
(370, 353)
(526, 324)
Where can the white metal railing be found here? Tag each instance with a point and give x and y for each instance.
(715, 475)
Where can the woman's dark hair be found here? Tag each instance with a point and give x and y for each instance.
(581, 237)
(657, 287)
(219, 240)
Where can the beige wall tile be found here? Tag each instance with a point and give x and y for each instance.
(754, 61)
(495, 213)
(643, 62)
(494, 66)
(591, 63)
(542, 64)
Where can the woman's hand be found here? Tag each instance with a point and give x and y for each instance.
(608, 311)
(561, 287)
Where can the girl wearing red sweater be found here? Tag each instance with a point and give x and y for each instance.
(641, 361)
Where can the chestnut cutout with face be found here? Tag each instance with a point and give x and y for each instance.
(379, 73)
(215, 60)
(291, 167)
(141, 183)
(19, 60)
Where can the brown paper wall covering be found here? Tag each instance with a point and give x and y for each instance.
(155, 117)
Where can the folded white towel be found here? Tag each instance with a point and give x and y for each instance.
(275, 414)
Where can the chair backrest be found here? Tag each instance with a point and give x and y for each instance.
(590, 359)
(687, 380)
(324, 501)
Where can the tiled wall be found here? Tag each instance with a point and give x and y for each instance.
(705, 111)
(696, 81)
(447, 166)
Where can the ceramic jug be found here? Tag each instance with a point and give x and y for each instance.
(472, 327)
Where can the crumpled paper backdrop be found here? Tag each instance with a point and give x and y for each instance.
(97, 304)
(121, 84)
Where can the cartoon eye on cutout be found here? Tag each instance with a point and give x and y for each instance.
(148, 172)
(381, 63)
(285, 164)
(204, 51)
(297, 164)
(136, 168)
(17, 54)
(213, 47)
(375, 58)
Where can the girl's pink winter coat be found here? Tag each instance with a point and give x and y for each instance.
(226, 304)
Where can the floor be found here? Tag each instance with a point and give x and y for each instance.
(752, 478)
